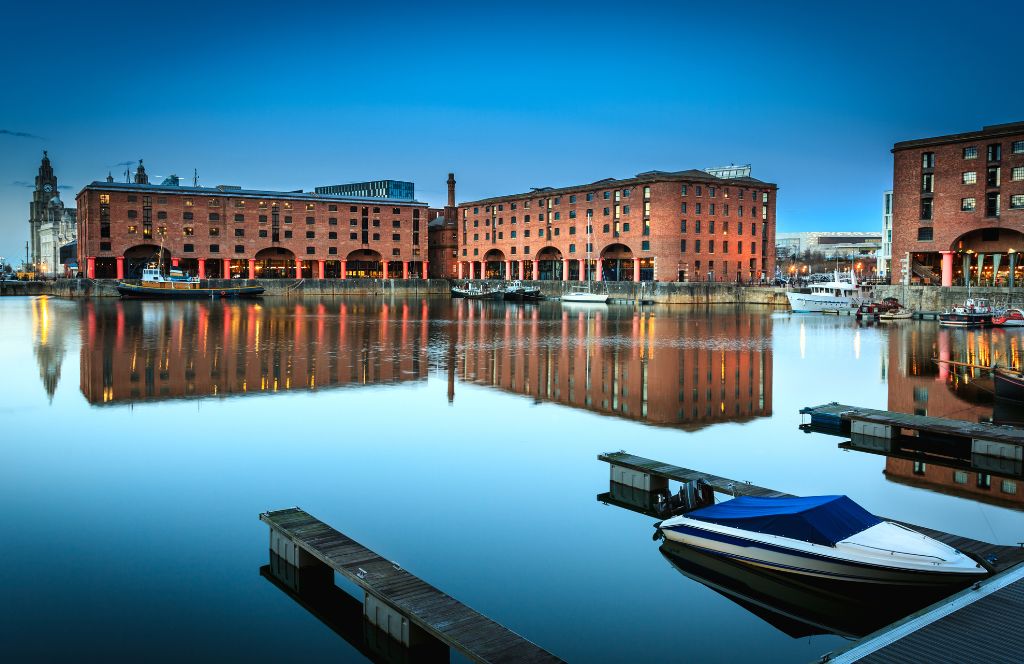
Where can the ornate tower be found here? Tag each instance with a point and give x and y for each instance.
(46, 188)
(140, 174)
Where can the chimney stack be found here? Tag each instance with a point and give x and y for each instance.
(451, 190)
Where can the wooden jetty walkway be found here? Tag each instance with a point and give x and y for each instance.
(404, 605)
(984, 623)
(649, 476)
(988, 439)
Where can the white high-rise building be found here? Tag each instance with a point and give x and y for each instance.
(885, 254)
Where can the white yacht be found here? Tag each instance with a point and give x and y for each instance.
(827, 296)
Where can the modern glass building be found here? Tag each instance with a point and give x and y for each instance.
(390, 189)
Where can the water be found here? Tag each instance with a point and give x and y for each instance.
(141, 440)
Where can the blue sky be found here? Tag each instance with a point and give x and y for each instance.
(289, 96)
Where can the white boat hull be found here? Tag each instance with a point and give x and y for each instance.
(592, 298)
(814, 303)
(848, 560)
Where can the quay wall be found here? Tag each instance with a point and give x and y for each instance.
(24, 287)
(936, 298)
(666, 292)
(107, 287)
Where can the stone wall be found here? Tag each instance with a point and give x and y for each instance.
(665, 292)
(934, 298)
(10, 287)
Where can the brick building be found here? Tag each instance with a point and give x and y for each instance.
(444, 238)
(230, 232)
(958, 207)
(663, 226)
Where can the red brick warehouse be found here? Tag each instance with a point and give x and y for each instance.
(691, 225)
(958, 207)
(230, 232)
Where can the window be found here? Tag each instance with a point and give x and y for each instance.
(924, 234)
(992, 204)
(696, 208)
(396, 237)
(105, 198)
(607, 195)
(239, 248)
(309, 234)
(134, 229)
(711, 192)
(606, 211)
(572, 198)
(590, 196)
(1018, 147)
(926, 209)
(711, 226)
(995, 152)
(162, 214)
(992, 178)
(1017, 173)
(683, 208)
(967, 204)
(214, 248)
(645, 245)
(132, 214)
(971, 152)
(214, 231)
(1009, 486)
(927, 160)
(927, 183)
(353, 236)
(188, 248)
(332, 235)
(376, 236)
(214, 216)
(647, 193)
(984, 481)
(625, 193)
(969, 177)
(239, 232)
(558, 215)
(682, 246)
(684, 189)
(287, 234)
(310, 250)
(332, 250)
(1017, 202)
(960, 476)
(263, 233)
(682, 226)
(104, 246)
(725, 246)
(711, 246)
(696, 226)
(572, 248)
(711, 208)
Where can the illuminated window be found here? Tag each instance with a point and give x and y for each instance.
(104, 198)
(969, 177)
(187, 230)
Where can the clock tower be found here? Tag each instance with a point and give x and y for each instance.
(46, 189)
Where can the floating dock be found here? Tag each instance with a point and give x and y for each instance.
(633, 473)
(992, 440)
(409, 609)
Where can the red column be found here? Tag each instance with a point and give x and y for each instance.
(583, 269)
(565, 269)
(174, 262)
(120, 267)
(227, 268)
(461, 266)
(424, 273)
(202, 268)
(252, 268)
(90, 267)
(298, 269)
(508, 268)
(344, 267)
(320, 267)
(947, 268)
(599, 270)
(636, 269)
(405, 270)
(384, 267)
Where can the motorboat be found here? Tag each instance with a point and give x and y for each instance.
(821, 536)
(516, 291)
(974, 312)
(177, 285)
(1008, 384)
(898, 314)
(835, 295)
(475, 292)
(1010, 318)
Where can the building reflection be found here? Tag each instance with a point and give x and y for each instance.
(920, 385)
(50, 322)
(678, 368)
(140, 351)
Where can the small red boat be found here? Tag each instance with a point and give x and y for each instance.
(1009, 318)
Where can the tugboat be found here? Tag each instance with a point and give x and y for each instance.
(473, 292)
(975, 312)
(178, 286)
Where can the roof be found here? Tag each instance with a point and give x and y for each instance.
(822, 520)
(245, 193)
(986, 132)
(640, 178)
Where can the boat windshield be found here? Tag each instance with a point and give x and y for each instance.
(818, 519)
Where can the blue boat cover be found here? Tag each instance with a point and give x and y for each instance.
(818, 519)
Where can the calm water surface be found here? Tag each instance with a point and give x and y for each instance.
(141, 441)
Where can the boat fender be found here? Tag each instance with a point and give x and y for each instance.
(223, 293)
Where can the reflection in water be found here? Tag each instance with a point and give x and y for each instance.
(49, 327)
(800, 606)
(135, 350)
(686, 369)
(920, 385)
(680, 369)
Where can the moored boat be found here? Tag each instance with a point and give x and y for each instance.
(974, 312)
(516, 291)
(821, 536)
(473, 292)
(832, 295)
(1010, 318)
(1008, 384)
(178, 286)
(898, 314)
(585, 297)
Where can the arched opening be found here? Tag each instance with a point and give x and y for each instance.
(141, 255)
(547, 266)
(332, 269)
(364, 264)
(617, 263)
(274, 263)
(494, 264)
(987, 257)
